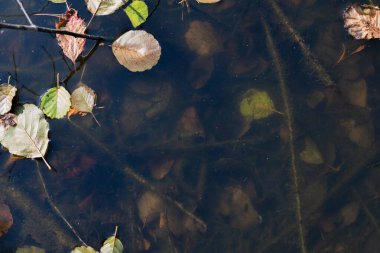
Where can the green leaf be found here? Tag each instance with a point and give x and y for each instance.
(256, 104)
(137, 12)
(29, 138)
(112, 245)
(7, 92)
(311, 153)
(55, 103)
(58, 1)
(30, 249)
(83, 249)
(83, 98)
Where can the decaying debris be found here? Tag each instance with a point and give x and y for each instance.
(362, 22)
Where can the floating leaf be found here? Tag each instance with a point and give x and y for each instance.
(208, 1)
(7, 92)
(137, 50)
(6, 120)
(55, 103)
(58, 1)
(256, 104)
(83, 101)
(311, 153)
(83, 98)
(30, 249)
(106, 6)
(83, 249)
(137, 12)
(29, 138)
(112, 245)
(362, 22)
(72, 46)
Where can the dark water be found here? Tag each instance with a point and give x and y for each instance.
(177, 131)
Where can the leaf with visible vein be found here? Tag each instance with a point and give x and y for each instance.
(7, 92)
(137, 12)
(55, 103)
(29, 138)
(112, 245)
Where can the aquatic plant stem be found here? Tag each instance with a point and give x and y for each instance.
(290, 123)
(311, 61)
(56, 209)
(131, 173)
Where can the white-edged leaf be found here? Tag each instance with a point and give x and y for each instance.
(83, 98)
(7, 92)
(55, 103)
(29, 138)
(112, 245)
(83, 249)
(106, 6)
(137, 50)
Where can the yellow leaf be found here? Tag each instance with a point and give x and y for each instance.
(311, 153)
(256, 104)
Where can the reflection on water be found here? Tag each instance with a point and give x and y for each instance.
(174, 152)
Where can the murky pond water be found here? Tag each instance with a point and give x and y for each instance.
(257, 131)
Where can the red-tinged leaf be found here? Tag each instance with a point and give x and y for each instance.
(72, 47)
(6, 219)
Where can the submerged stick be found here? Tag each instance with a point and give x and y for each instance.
(56, 209)
(36, 215)
(290, 122)
(131, 173)
(311, 61)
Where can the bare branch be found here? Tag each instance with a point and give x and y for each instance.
(52, 31)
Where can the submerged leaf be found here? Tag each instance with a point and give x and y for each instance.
(29, 138)
(137, 50)
(72, 46)
(112, 245)
(202, 38)
(104, 7)
(7, 92)
(6, 219)
(362, 22)
(83, 249)
(311, 153)
(83, 99)
(256, 104)
(55, 103)
(137, 12)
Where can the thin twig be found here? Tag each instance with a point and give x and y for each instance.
(56, 209)
(52, 31)
(290, 124)
(26, 14)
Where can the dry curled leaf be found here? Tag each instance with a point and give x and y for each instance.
(362, 22)
(72, 46)
(137, 50)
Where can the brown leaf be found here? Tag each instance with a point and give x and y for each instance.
(137, 50)
(6, 219)
(362, 22)
(202, 38)
(72, 47)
